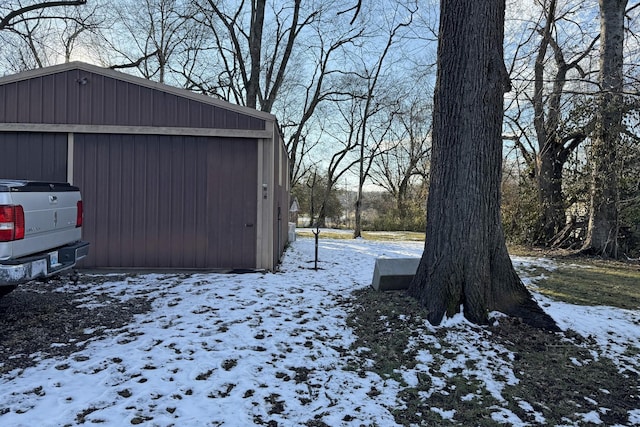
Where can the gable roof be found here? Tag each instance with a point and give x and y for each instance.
(77, 96)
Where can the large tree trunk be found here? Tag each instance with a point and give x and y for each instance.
(550, 198)
(465, 261)
(255, 51)
(602, 232)
(555, 141)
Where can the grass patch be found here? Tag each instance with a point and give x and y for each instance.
(576, 280)
(558, 377)
(592, 282)
(400, 236)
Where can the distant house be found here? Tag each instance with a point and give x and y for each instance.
(170, 178)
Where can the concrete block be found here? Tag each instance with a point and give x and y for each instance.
(292, 232)
(394, 273)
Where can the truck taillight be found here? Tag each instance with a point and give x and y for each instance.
(79, 214)
(11, 223)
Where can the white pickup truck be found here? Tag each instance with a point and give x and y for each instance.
(40, 230)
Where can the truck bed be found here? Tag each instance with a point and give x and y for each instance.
(40, 230)
(50, 216)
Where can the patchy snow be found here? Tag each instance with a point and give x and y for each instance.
(615, 330)
(446, 415)
(249, 349)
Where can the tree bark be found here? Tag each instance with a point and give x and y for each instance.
(255, 51)
(554, 143)
(465, 262)
(602, 231)
(550, 197)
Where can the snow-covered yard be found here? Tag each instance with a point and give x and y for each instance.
(272, 349)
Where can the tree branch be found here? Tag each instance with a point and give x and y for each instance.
(137, 62)
(6, 21)
(355, 14)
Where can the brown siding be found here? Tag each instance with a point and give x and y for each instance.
(232, 203)
(81, 97)
(150, 200)
(281, 205)
(39, 156)
(168, 201)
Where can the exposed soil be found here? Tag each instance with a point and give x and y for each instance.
(561, 373)
(38, 322)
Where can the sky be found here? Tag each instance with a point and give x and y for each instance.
(246, 349)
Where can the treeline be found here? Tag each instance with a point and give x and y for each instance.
(351, 84)
(520, 207)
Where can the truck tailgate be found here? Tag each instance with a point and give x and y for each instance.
(50, 222)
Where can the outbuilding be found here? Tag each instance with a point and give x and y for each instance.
(169, 178)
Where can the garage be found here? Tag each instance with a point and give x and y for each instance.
(170, 178)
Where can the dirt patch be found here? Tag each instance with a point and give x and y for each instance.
(560, 378)
(37, 321)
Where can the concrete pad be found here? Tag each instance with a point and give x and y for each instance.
(390, 274)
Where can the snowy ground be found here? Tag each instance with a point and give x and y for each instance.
(261, 349)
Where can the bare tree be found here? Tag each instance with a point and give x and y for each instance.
(32, 35)
(81, 30)
(406, 155)
(465, 261)
(29, 48)
(254, 74)
(324, 84)
(371, 107)
(555, 140)
(344, 137)
(150, 37)
(564, 97)
(602, 232)
(287, 59)
(15, 13)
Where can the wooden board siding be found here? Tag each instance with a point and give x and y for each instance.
(35, 156)
(281, 205)
(170, 178)
(156, 201)
(80, 97)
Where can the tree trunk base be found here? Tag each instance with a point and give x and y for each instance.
(531, 314)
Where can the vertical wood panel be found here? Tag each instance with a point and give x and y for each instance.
(219, 118)
(170, 112)
(102, 221)
(60, 100)
(157, 106)
(77, 96)
(75, 106)
(3, 101)
(35, 101)
(121, 104)
(48, 99)
(139, 205)
(33, 156)
(95, 89)
(232, 203)
(207, 117)
(110, 106)
(115, 194)
(12, 103)
(126, 201)
(182, 113)
(145, 105)
(195, 114)
(133, 105)
(168, 201)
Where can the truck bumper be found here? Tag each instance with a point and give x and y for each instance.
(13, 272)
